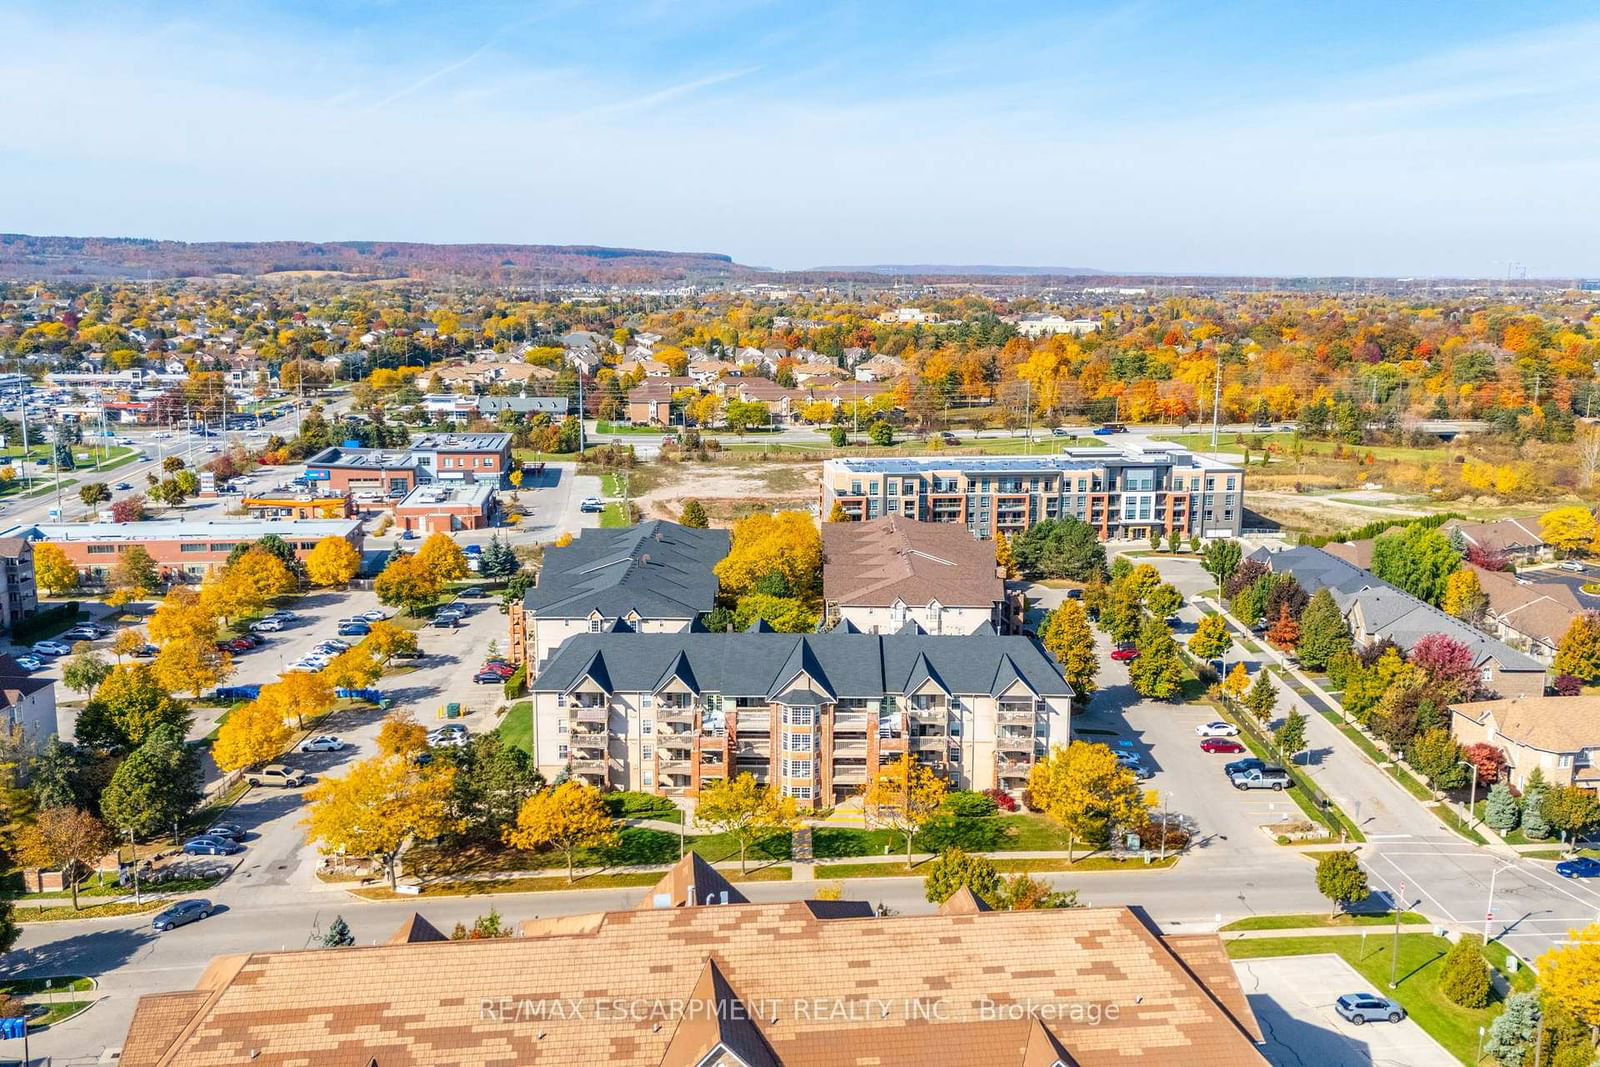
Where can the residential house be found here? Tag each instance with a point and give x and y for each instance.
(811, 714)
(1378, 611)
(1559, 736)
(1519, 540)
(879, 369)
(650, 403)
(706, 371)
(1048, 325)
(800, 983)
(655, 577)
(880, 575)
(1527, 614)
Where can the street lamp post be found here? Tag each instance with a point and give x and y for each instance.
(1472, 801)
(1488, 915)
(1394, 952)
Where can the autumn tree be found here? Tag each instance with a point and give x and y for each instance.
(1570, 531)
(1437, 757)
(1284, 633)
(379, 805)
(252, 734)
(1570, 974)
(248, 584)
(1164, 601)
(333, 561)
(1290, 735)
(441, 557)
(298, 695)
(693, 515)
(954, 869)
(386, 640)
(904, 795)
(407, 583)
(1341, 879)
(402, 735)
(1464, 596)
(1237, 683)
(128, 509)
(354, 668)
(1065, 634)
(84, 671)
(180, 615)
(1158, 671)
(566, 818)
(787, 544)
(192, 665)
(1450, 668)
(745, 810)
(1084, 789)
(66, 840)
(128, 704)
(52, 570)
(1002, 556)
(93, 494)
(1211, 639)
(1578, 654)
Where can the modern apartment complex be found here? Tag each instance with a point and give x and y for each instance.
(20, 597)
(655, 577)
(1124, 493)
(814, 714)
(881, 574)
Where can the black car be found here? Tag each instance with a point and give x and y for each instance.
(226, 829)
(181, 913)
(1243, 766)
(488, 677)
(475, 593)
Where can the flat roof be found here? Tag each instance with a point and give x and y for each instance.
(469, 442)
(185, 530)
(474, 494)
(364, 458)
(1071, 459)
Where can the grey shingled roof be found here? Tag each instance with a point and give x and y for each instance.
(839, 664)
(659, 569)
(1386, 610)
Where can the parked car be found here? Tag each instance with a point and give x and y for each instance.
(208, 845)
(1220, 744)
(1240, 766)
(240, 644)
(82, 633)
(487, 677)
(181, 914)
(1102, 431)
(285, 616)
(375, 615)
(354, 629)
(145, 651)
(1125, 654)
(1582, 867)
(122, 486)
(51, 648)
(591, 503)
(1275, 778)
(445, 622)
(226, 829)
(336, 644)
(277, 774)
(948, 438)
(1572, 565)
(322, 743)
(451, 741)
(500, 667)
(1216, 729)
(476, 592)
(1362, 1008)
(267, 626)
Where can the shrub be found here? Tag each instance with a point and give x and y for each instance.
(1002, 800)
(1465, 978)
(1567, 686)
(954, 869)
(1500, 809)
(28, 630)
(632, 805)
(517, 684)
(966, 804)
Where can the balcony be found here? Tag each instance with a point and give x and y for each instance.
(581, 727)
(850, 747)
(1014, 714)
(1007, 769)
(1010, 741)
(668, 714)
(677, 766)
(582, 713)
(850, 775)
(590, 766)
(895, 743)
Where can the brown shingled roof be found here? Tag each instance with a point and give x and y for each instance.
(691, 881)
(416, 930)
(1550, 724)
(949, 989)
(963, 902)
(874, 563)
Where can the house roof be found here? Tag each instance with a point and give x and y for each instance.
(875, 563)
(691, 882)
(1541, 610)
(1550, 724)
(660, 569)
(1501, 535)
(839, 663)
(743, 978)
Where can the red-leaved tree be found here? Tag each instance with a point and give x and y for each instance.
(1489, 761)
(128, 509)
(1448, 663)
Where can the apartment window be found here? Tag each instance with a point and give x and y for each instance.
(1486, 674)
(646, 700)
(1139, 480)
(193, 548)
(893, 507)
(106, 550)
(647, 751)
(561, 724)
(648, 778)
(911, 488)
(798, 742)
(561, 700)
(872, 508)
(797, 768)
(894, 487)
(799, 716)
(561, 751)
(647, 727)
(1564, 760)
(594, 625)
(800, 792)
(855, 488)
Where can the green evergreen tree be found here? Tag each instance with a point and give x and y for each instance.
(1501, 810)
(1511, 1035)
(1534, 824)
(1323, 632)
(1465, 977)
(338, 934)
(953, 869)
(694, 515)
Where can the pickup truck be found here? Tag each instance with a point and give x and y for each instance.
(277, 774)
(1275, 778)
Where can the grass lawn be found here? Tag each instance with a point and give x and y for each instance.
(556, 884)
(1513, 837)
(1420, 962)
(603, 427)
(54, 993)
(1088, 864)
(1447, 815)
(516, 726)
(1307, 922)
(54, 912)
(613, 517)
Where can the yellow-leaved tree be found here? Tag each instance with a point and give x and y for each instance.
(191, 665)
(442, 557)
(745, 810)
(904, 796)
(1570, 974)
(566, 817)
(248, 584)
(377, 807)
(354, 668)
(252, 733)
(332, 561)
(1084, 788)
(1570, 531)
(386, 640)
(52, 570)
(1066, 635)
(181, 615)
(298, 694)
(406, 583)
(1237, 684)
(401, 735)
(788, 544)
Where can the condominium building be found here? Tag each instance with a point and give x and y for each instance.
(882, 574)
(655, 577)
(20, 596)
(1124, 493)
(814, 714)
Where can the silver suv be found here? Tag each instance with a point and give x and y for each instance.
(1262, 778)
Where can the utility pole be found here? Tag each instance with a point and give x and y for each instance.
(1216, 400)
(1394, 953)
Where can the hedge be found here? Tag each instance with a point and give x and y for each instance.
(50, 619)
(1378, 526)
(517, 684)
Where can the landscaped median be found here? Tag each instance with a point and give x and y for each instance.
(1420, 965)
(1323, 920)
(1087, 865)
(102, 902)
(556, 883)
(58, 995)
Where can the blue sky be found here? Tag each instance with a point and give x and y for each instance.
(1269, 138)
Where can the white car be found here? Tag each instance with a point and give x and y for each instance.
(375, 615)
(324, 743)
(1572, 565)
(82, 633)
(309, 663)
(267, 626)
(51, 648)
(1216, 729)
(30, 663)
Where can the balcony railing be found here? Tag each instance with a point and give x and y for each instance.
(587, 714)
(668, 714)
(1015, 715)
(1008, 742)
(590, 766)
(849, 775)
(676, 766)
(1012, 768)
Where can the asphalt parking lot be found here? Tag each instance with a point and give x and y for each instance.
(1292, 997)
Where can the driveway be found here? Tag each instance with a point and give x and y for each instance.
(1292, 997)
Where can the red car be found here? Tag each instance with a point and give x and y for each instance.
(502, 669)
(1126, 653)
(1220, 744)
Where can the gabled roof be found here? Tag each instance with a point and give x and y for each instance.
(1549, 724)
(415, 930)
(1006, 675)
(660, 569)
(692, 882)
(963, 902)
(594, 671)
(717, 1021)
(923, 672)
(679, 668)
(874, 563)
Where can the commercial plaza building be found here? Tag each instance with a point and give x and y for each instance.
(814, 714)
(433, 457)
(1123, 493)
(179, 547)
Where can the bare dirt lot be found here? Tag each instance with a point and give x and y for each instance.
(731, 490)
